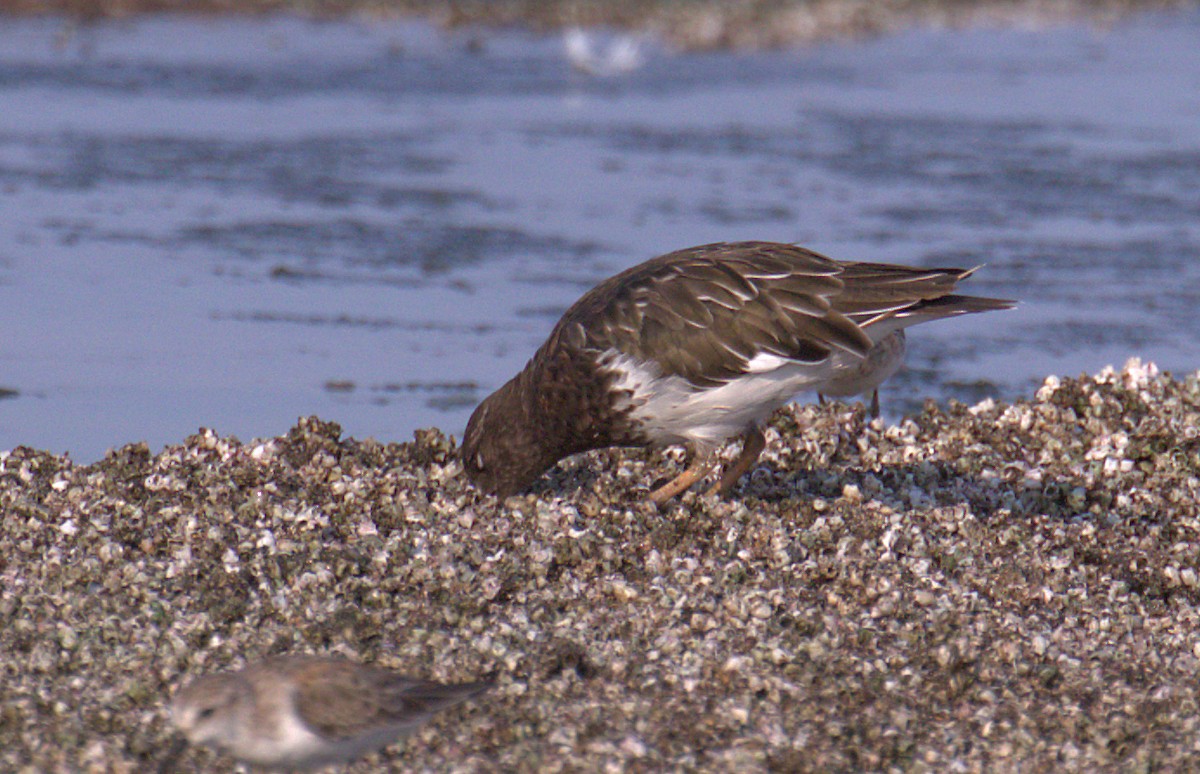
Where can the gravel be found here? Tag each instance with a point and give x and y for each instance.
(986, 588)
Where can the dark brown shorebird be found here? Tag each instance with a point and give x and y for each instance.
(306, 712)
(698, 346)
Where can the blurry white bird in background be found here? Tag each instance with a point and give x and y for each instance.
(589, 53)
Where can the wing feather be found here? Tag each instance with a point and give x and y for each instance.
(706, 312)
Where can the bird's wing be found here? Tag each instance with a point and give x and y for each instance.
(706, 312)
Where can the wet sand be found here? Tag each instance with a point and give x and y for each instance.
(979, 588)
(683, 24)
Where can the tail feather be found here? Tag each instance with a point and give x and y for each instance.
(948, 306)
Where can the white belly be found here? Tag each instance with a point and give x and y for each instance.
(672, 410)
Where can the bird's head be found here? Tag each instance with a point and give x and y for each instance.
(211, 710)
(504, 450)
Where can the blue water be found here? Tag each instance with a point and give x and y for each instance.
(233, 223)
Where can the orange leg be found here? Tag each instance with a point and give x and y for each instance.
(701, 461)
(753, 442)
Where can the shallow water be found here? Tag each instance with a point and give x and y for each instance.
(232, 223)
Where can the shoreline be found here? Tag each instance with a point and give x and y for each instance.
(993, 587)
(680, 24)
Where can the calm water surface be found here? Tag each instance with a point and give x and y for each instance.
(233, 223)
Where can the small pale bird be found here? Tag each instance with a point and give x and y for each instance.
(305, 712)
(885, 357)
(699, 346)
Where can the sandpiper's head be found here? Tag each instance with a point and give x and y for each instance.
(209, 710)
(502, 451)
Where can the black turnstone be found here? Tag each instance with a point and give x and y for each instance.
(698, 346)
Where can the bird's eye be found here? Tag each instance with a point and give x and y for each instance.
(206, 713)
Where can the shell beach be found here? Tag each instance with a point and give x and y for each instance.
(978, 588)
